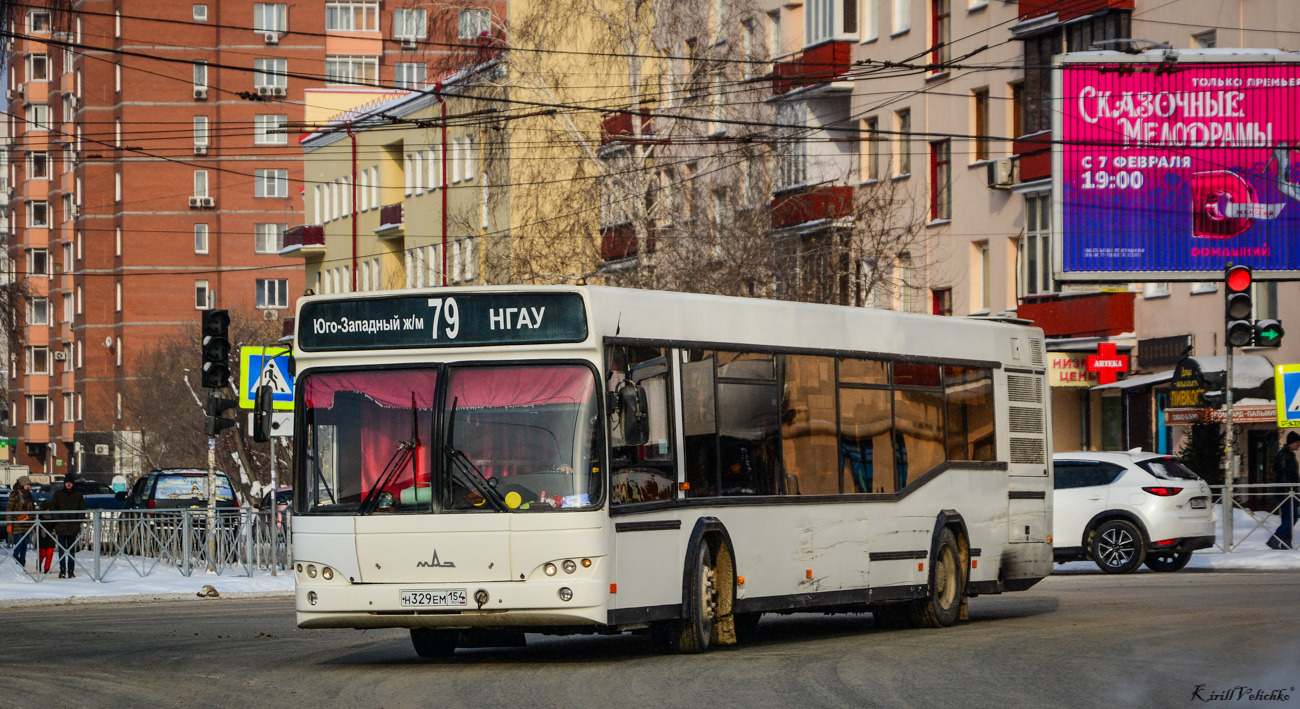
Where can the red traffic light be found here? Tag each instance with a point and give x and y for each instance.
(1238, 278)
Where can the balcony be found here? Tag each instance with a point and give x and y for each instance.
(304, 240)
(619, 242)
(618, 126)
(1088, 315)
(1035, 153)
(816, 65)
(822, 203)
(1067, 10)
(392, 219)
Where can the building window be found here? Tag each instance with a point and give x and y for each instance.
(270, 72)
(792, 148)
(269, 130)
(200, 131)
(902, 15)
(903, 121)
(1206, 40)
(200, 183)
(980, 99)
(68, 361)
(200, 75)
(941, 180)
(408, 75)
(941, 301)
(1264, 300)
(38, 311)
(38, 21)
(38, 409)
(38, 116)
(38, 67)
(352, 70)
(871, 153)
(38, 262)
(69, 412)
(38, 166)
(1017, 91)
(352, 16)
(202, 300)
(985, 276)
(200, 238)
(473, 23)
(940, 33)
(1203, 287)
(117, 296)
(270, 17)
(38, 360)
(38, 214)
(1155, 289)
(69, 308)
(200, 13)
(1082, 35)
(272, 293)
(271, 183)
(718, 107)
(1037, 249)
(269, 238)
(410, 24)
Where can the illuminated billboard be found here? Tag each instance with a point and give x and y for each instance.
(1167, 166)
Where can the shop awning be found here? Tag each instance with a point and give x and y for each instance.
(1140, 381)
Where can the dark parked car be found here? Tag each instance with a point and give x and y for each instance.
(176, 489)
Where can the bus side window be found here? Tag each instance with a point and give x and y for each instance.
(808, 426)
(748, 424)
(969, 393)
(867, 440)
(642, 473)
(699, 419)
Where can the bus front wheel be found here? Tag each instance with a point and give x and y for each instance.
(692, 634)
(430, 642)
(947, 583)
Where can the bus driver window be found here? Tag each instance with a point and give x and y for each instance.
(641, 473)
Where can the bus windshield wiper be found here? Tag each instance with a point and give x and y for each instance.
(477, 480)
(405, 449)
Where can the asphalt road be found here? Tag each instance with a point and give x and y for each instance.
(1073, 641)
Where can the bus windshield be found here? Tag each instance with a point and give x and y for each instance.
(513, 438)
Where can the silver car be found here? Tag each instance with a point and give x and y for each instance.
(1121, 510)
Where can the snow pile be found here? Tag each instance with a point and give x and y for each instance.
(122, 580)
(1250, 554)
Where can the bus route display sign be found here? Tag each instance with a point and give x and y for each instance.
(443, 319)
(1168, 166)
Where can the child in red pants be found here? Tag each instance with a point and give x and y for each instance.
(45, 542)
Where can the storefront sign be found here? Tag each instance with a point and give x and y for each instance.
(1240, 414)
(1187, 388)
(1107, 363)
(1065, 370)
(1163, 351)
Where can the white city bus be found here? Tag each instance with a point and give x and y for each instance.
(475, 463)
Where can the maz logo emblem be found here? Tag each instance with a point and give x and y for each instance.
(434, 563)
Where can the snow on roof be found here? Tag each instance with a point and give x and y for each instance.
(1248, 371)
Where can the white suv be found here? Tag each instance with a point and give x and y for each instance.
(1121, 509)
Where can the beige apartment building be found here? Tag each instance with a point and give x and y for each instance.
(950, 100)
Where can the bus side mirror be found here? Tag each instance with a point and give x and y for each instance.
(263, 412)
(633, 414)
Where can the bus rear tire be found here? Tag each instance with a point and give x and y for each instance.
(430, 642)
(947, 583)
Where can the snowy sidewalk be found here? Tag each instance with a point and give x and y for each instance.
(166, 582)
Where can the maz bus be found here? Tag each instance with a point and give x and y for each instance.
(474, 463)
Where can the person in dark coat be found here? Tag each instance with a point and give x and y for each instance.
(67, 527)
(21, 506)
(1287, 471)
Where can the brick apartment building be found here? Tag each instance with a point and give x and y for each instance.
(150, 184)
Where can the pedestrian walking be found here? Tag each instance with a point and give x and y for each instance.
(67, 527)
(44, 539)
(1286, 470)
(21, 506)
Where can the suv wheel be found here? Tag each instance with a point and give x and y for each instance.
(1118, 546)
(1168, 561)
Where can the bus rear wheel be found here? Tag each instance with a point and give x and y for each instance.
(430, 642)
(947, 583)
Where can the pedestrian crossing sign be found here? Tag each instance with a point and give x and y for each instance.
(1287, 380)
(265, 365)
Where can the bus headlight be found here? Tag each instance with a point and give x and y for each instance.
(569, 566)
(566, 594)
(549, 569)
(327, 573)
(311, 571)
(311, 597)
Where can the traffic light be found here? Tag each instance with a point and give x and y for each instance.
(1237, 306)
(215, 406)
(216, 349)
(1268, 333)
(263, 413)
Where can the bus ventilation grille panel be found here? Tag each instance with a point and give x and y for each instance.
(1025, 389)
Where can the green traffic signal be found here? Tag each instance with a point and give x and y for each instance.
(1268, 333)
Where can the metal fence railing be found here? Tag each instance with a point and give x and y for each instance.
(1262, 504)
(238, 542)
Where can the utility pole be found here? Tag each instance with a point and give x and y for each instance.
(1240, 332)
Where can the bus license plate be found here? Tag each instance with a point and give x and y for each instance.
(422, 599)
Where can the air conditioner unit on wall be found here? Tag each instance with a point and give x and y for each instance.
(200, 150)
(13, 94)
(1001, 173)
(408, 43)
(207, 202)
(201, 93)
(264, 90)
(271, 38)
(101, 449)
(60, 356)
(270, 315)
(194, 202)
(279, 91)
